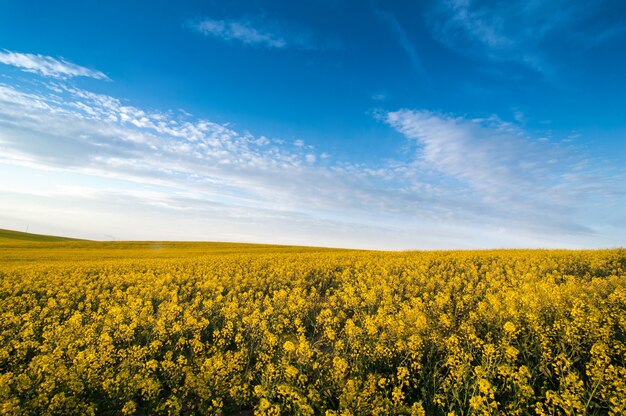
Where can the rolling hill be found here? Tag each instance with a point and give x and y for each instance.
(13, 236)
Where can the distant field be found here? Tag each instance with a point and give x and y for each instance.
(220, 328)
(9, 235)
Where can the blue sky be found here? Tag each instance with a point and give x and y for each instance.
(434, 124)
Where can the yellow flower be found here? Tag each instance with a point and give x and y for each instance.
(289, 346)
(509, 327)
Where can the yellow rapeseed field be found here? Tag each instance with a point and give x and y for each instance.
(184, 328)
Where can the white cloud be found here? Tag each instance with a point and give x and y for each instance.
(259, 31)
(516, 30)
(48, 66)
(241, 31)
(487, 153)
(467, 178)
(532, 180)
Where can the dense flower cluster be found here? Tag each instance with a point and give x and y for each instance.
(125, 328)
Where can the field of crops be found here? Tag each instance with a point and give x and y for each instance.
(207, 328)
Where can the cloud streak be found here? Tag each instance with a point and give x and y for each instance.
(241, 31)
(530, 180)
(403, 39)
(257, 32)
(467, 177)
(519, 31)
(48, 66)
(489, 154)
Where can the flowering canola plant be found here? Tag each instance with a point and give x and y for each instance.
(208, 328)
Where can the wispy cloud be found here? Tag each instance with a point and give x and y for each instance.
(489, 154)
(402, 38)
(517, 30)
(48, 66)
(241, 31)
(467, 177)
(524, 178)
(379, 96)
(258, 31)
